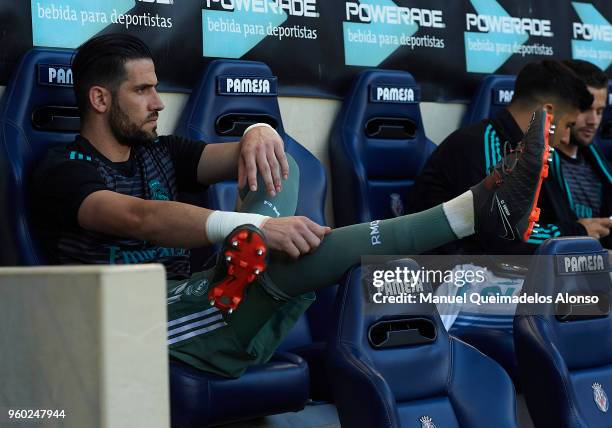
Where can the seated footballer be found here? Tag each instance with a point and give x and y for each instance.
(109, 197)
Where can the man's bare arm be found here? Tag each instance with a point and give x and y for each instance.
(219, 162)
(165, 223)
(174, 224)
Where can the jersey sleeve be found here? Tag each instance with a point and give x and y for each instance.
(185, 154)
(60, 188)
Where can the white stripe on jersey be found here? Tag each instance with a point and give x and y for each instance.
(196, 332)
(193, 325)
(186, 318)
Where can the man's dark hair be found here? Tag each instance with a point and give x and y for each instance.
(101, 60)
(590, 74)
(551, 81)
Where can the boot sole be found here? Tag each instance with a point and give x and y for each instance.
(245, 255)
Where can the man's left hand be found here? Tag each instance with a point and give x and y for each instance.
(262, 149)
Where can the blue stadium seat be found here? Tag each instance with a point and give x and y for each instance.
(493, 95)
(604, 138)
(216, 114)
(565, 351)
(200, 400)
(378, 147)
(394, 365)
(37, 110)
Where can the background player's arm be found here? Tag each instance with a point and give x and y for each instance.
(596, 227)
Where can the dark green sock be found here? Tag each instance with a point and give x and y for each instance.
(407, 235)
(281, 205)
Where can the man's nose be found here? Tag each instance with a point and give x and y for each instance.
(591, 117)
(157, 104)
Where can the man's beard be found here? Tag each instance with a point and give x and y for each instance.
(127, 132)
(576, 142)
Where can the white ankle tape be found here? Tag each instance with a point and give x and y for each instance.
(460, 214)
(221, 223)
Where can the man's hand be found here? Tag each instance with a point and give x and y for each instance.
(596, 227)
(261, 149)
(294, 235)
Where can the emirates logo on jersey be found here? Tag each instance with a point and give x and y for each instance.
(158, 191)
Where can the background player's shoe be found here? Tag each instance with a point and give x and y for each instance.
(505, 203)
(243, 257)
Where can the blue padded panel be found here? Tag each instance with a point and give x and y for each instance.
(558, 359)
(604, 136)
(366, 170)
(491, 97)
(21, 145)
(380, 192)
(481, 392)
(206, 105)
(492, 340)
(447, 380)
(199, 401)
(582, 387)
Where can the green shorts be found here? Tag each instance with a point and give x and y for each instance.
(205, 337)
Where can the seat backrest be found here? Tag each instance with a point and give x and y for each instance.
(378, 147)
(564, 348)
(493, 95)
(604, 139)
(399, 359)
(230, 96)
(37, 110)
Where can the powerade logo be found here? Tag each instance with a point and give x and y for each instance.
(492, 36)
(387, 14)
(592, 263)
(305, 8)
(256, 86)
(502, 96)
(508, 25)
(591, 36)
(394, 94)
(54, 75)
(592, 32)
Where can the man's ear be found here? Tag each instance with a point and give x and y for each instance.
(100, 99)
(550, 108)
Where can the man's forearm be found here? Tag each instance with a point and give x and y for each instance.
(181, 225)
(172, 224)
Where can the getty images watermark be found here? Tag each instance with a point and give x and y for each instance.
(565, 283)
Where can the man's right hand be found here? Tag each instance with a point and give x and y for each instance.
(596, 227)
(294, 235)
